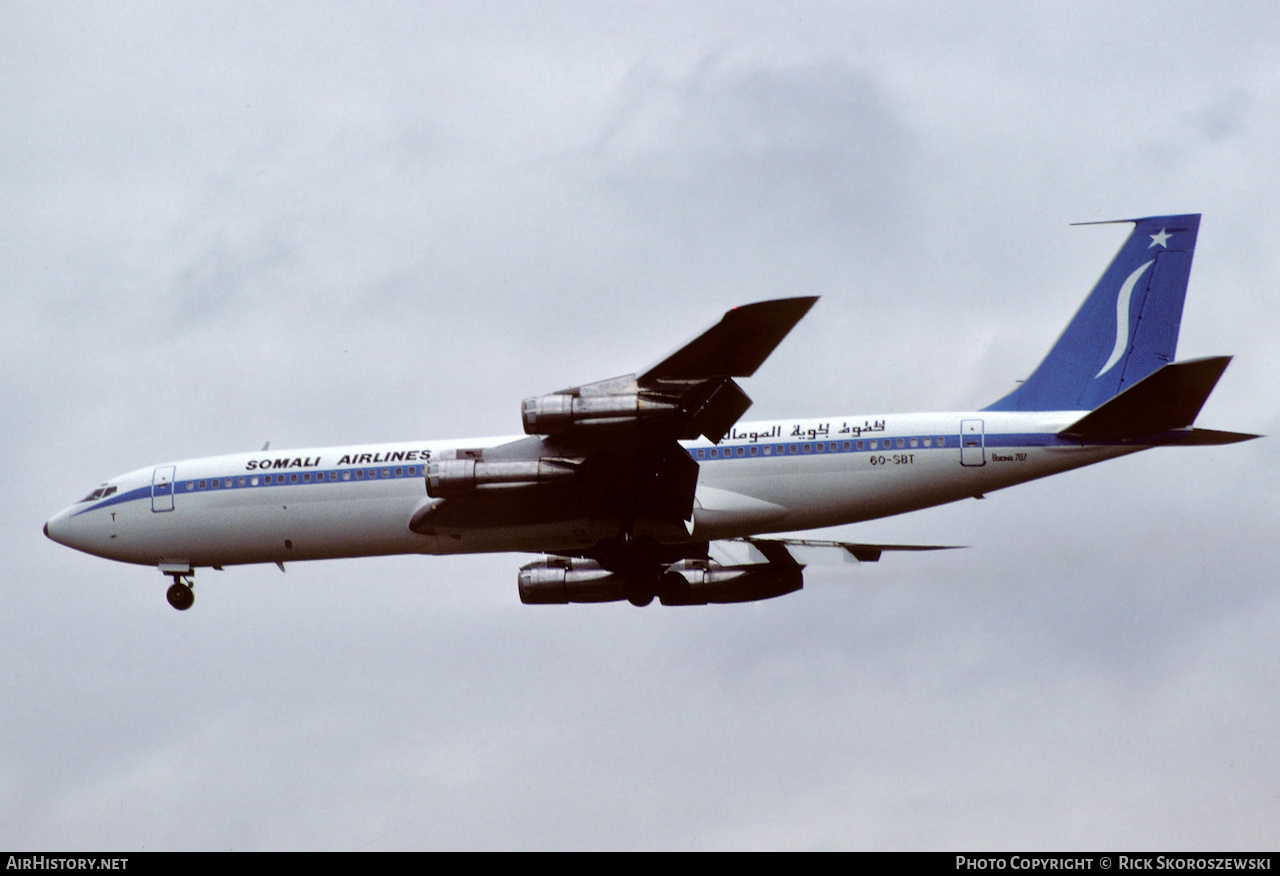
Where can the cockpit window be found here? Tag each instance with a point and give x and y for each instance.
(101, 493)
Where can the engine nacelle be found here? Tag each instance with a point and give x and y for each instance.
(466, 477)
(559, 581)
(696, 582)
(562, 580)
(558, 413)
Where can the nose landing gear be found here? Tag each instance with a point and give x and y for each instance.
(180, 594)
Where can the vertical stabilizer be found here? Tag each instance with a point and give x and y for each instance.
(1126, 329)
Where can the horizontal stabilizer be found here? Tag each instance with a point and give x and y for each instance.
(1169, 398)
(736, 345)
(1207, 437)
(810, 552)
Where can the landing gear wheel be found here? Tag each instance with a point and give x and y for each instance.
(674, 589)
(642, 586)
(611, 554)
(180, 596)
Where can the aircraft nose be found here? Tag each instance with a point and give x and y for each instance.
(53, 535)
(59, 529)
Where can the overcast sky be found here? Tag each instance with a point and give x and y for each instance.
(222, 224)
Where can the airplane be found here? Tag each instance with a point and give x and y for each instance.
(647, 485)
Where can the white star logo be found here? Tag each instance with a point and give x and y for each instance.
(1160, 238)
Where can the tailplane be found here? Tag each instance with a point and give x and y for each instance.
(1126, 330)
(1166, 401)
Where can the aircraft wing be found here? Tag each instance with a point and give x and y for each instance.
(735, 346)
(689, 393)
(808, 552)
(610, 449)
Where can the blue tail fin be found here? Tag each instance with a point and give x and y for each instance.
(1127, 327)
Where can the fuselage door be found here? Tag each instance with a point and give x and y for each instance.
(972, 451)
(162, 489)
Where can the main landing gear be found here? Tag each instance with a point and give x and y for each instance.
(638, 559)
(180, 594)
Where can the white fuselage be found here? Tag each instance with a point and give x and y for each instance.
(776, 476)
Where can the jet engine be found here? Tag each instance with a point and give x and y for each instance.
(697, 582)
(559, 413)
(447, 478)
(562, 580)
